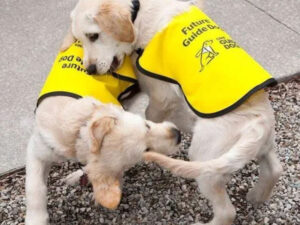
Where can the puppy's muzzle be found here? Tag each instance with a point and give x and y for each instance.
(92, 69)
(177, 135)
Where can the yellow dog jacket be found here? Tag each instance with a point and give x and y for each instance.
(214, 73)
(68, 78)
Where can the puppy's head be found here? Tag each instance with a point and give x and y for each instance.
(117, 140)
(106, 32)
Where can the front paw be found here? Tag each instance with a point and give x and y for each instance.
(256, 197)
(37, 218)
(74, 178)
(199, 223)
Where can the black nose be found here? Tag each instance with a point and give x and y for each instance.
(176, 133)
(92, 69)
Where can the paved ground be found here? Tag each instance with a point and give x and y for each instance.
(31, 32)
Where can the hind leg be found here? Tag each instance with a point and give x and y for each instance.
(214, 189)
(155, 112)
(270, 171)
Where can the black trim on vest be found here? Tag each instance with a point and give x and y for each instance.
(131, 91)
(269, 82)
(124, 78)
(135, 9)
(70, 94)
(57, 93)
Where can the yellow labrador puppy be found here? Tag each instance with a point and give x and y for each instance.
(109, 28)
(106, 138)
(96, 131)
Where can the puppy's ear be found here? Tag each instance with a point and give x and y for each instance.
(107, 191)
(106, 187)
(68, 41)
(116, 21)
(97, 131)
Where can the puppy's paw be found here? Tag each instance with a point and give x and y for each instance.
(37, 218)
(209, 223)
(256, 197)
(74, 178)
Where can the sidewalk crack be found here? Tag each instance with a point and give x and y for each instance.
(274, 18)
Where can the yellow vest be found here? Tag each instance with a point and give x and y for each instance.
(69, 78)
(214, 73)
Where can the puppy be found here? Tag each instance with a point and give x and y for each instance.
(222, 143)
(104, 137)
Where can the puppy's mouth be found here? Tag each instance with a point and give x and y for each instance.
(115, 64)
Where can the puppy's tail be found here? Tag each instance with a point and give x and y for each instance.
(245, 149)
(193, 169)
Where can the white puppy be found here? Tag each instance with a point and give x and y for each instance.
(226, 142)
(103, 136)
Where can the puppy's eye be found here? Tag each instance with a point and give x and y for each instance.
(147, 149)
(92, 36)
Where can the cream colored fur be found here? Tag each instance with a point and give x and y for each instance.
(104, 137)
(220, 145)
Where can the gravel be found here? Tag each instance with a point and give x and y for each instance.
(153, 196)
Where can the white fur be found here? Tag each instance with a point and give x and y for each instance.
(220, 145)
(63, 132)
(104, 49)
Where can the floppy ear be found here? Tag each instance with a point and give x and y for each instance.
(107, 191)
(116, 21)
(106, 187)
(97, 131)
(68, 41)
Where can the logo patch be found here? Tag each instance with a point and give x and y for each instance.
(206, 54)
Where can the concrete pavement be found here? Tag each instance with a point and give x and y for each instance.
(31, 32)
(268, 30)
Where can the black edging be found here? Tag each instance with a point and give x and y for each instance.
(57, 93)
(134, 89)
(269, 82)
(124, 78)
